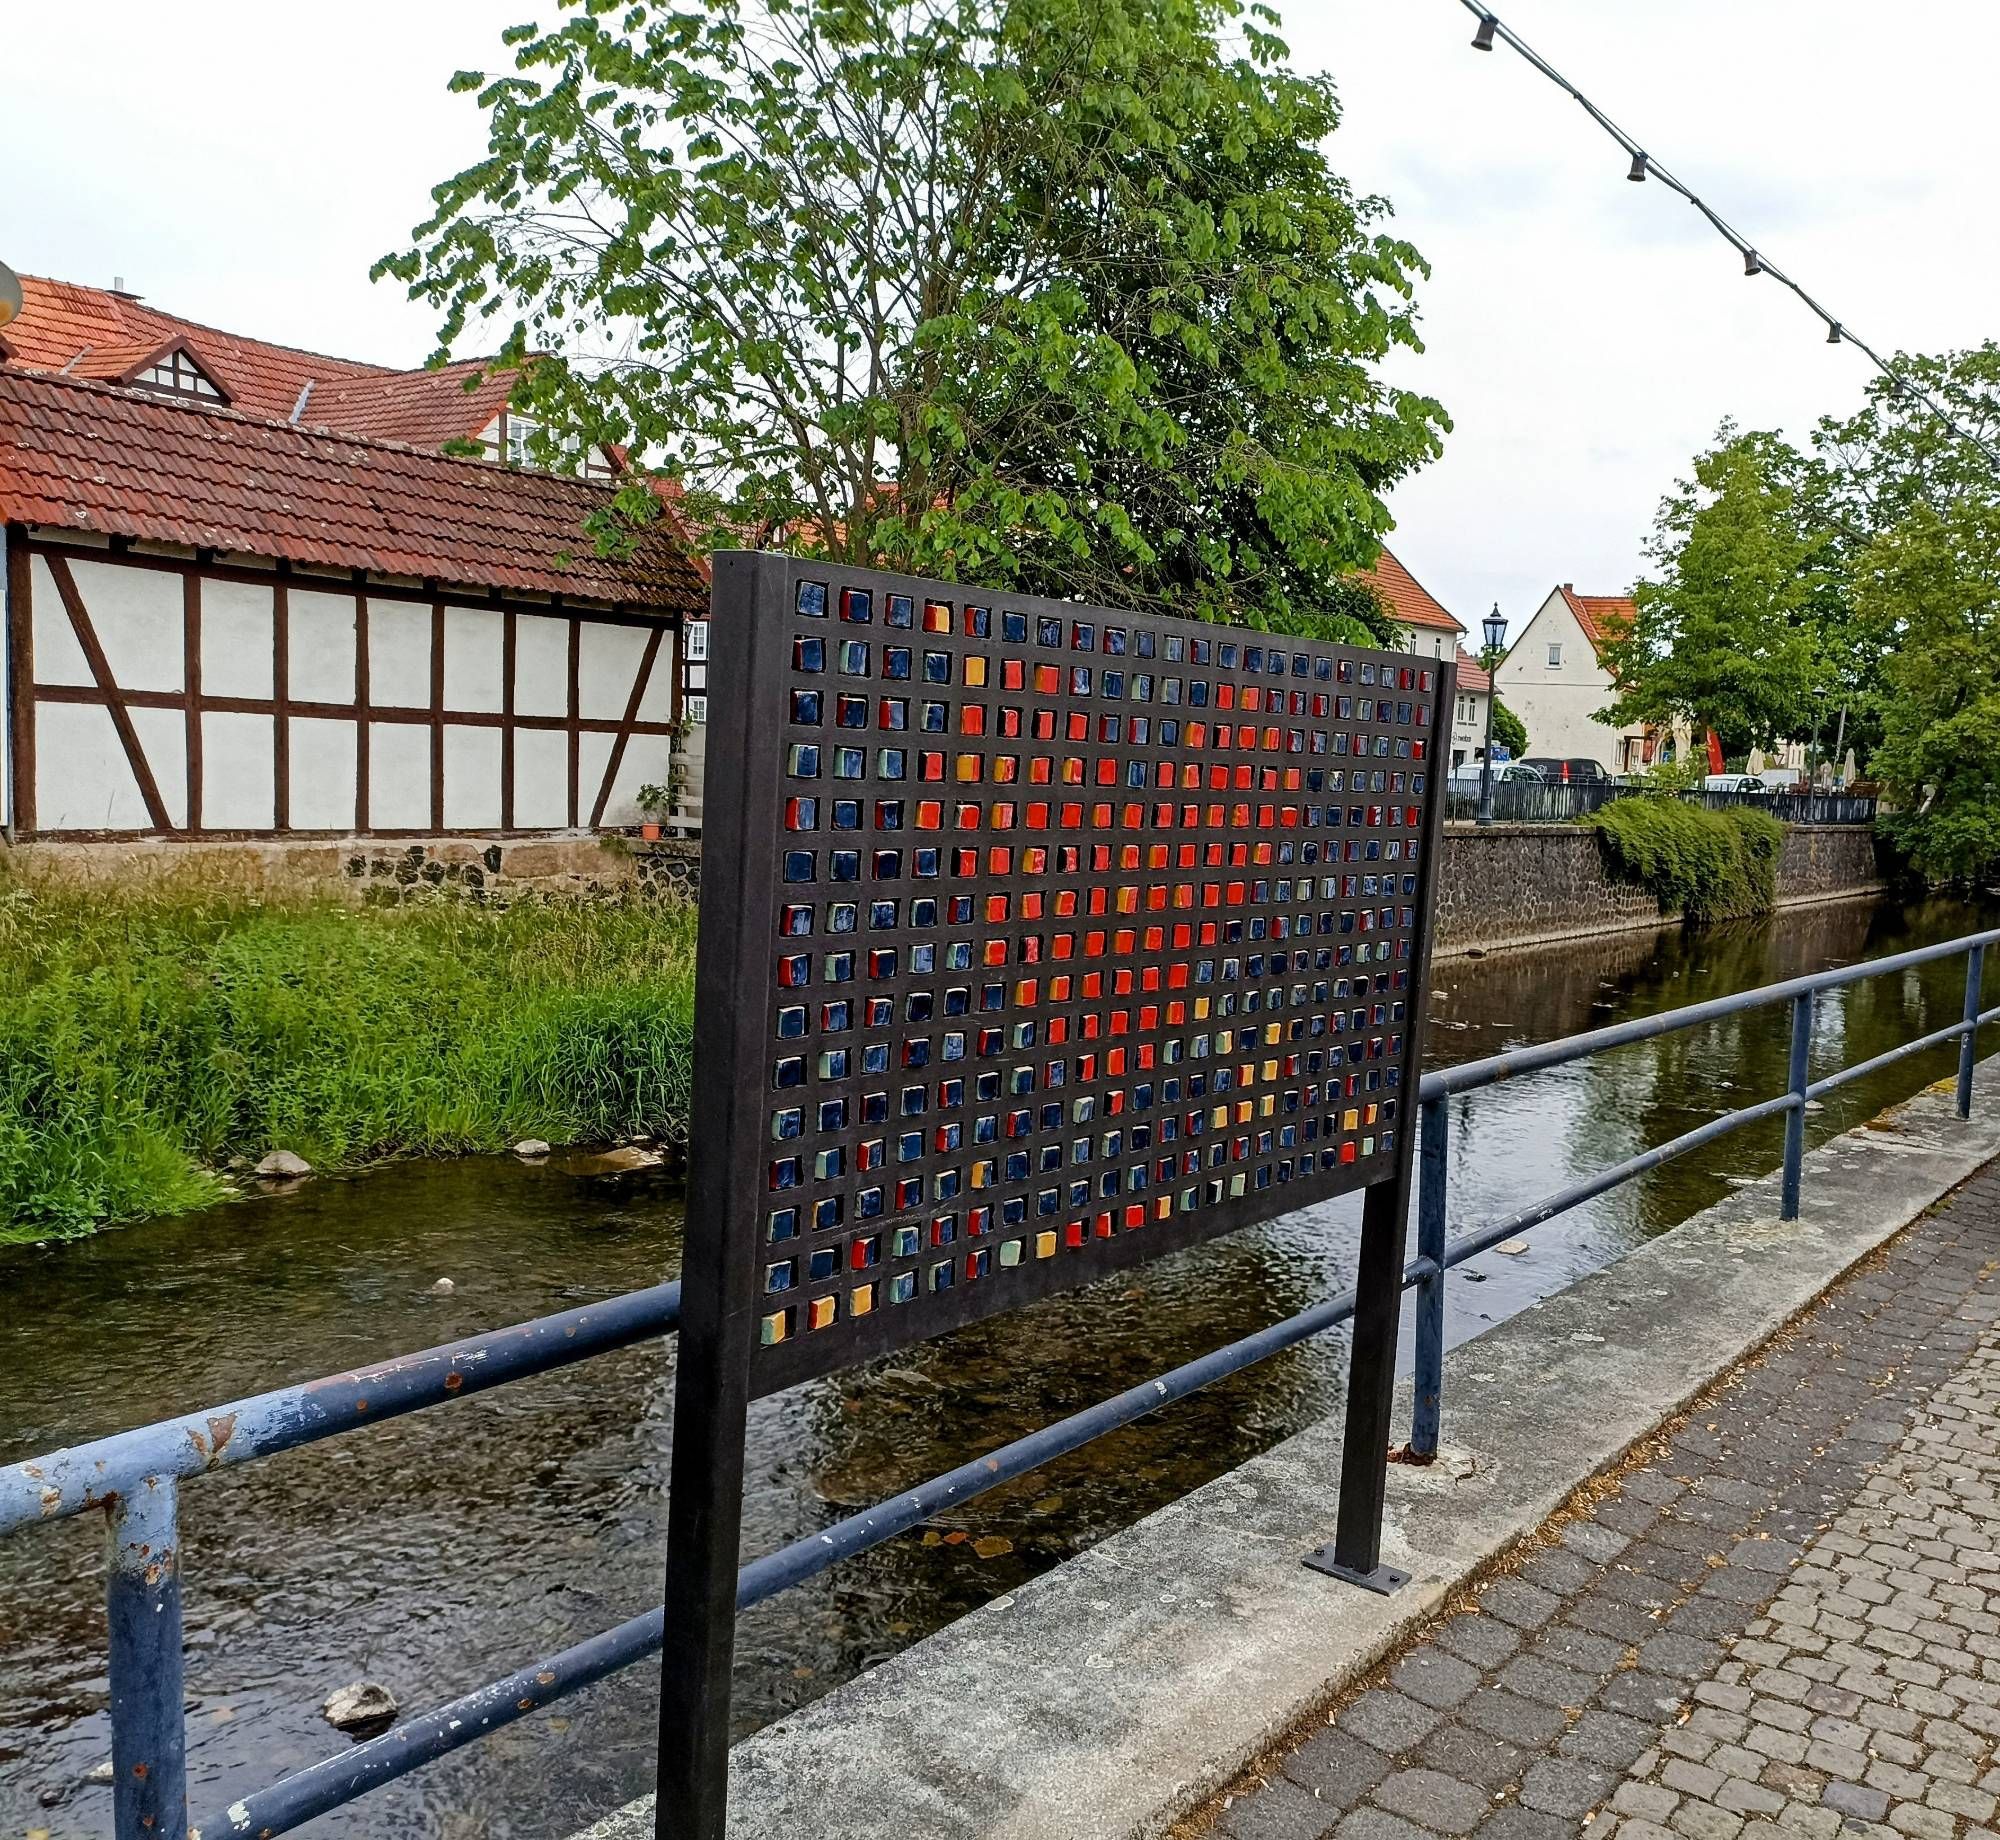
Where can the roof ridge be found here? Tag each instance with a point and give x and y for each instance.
(316, 431)
(197, 325)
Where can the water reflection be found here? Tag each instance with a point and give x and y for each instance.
(436, 1551)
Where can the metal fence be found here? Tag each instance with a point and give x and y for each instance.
(1520, 801)
(134, 1478)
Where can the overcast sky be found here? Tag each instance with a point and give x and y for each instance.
(243, 163)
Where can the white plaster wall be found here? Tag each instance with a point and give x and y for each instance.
(593, 754)
(236, 644)
(399, 655)
(6, 689)
(607, 662)
(321, 654)
(541, 667)
(238, 783)
(474, 655)
(58, 657)
(138, 617)
(83, 780)
(657, 705)
(399, 776)
(471, 776)
(541, 779)
(323, 759)
(648, 761)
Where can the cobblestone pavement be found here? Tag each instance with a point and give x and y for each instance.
(1784, 1618)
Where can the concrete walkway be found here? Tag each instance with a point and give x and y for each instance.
(1781, 1616)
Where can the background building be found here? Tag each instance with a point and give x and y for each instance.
(1555, 679)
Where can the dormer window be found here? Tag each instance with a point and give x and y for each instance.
(573, 456)
(175, 373)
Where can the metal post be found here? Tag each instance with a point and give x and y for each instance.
(1433, 1180)
(1356, 1553)
(1795, 1119)
(142, 1596)
(1968, 1043)
(1486, 761)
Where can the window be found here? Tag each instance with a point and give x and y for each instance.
(1555, 655)
(573, 456)
(694, 668)
(177, 374)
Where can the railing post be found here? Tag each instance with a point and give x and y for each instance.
(142, 1599)
(1968, 1043)
(1432, 1188)
(1795, 1119)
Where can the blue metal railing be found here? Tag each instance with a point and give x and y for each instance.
(134, 1477)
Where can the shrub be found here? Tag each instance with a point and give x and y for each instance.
(1705, 865)
(145, 1040)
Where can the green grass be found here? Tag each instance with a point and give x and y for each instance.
(145, 1040)
(1706, 865)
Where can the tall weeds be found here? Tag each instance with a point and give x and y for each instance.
(147, 1039)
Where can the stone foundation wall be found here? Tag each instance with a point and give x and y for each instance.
(1527, 884)
(373, 869)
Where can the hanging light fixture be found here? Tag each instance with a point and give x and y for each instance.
(1753, 263)
(1638, 173)
(1833, 332)
(10, 294)
(1483, 39)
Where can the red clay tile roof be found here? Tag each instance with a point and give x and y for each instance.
(92, 332)
(1405, 600)
(1603, 617)
(89, 456)
(1470, 676)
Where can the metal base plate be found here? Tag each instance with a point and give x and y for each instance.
(1384, 1580)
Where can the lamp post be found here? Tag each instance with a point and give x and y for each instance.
(1494, 630)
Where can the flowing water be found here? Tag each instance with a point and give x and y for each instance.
(435, 1552)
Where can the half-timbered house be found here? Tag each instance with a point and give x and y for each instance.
(225, 622)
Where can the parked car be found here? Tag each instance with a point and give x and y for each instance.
(1575, 771)
(1466, 776)
(1737, 782)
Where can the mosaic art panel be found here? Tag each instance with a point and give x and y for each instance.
(1085, 936)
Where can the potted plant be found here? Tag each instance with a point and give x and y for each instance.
(655, 802)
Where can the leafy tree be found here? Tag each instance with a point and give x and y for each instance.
(1509, 731)
(1732, 633)
(1935, 576)
(1058, 295)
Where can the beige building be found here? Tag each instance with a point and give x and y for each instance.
(1555, 679)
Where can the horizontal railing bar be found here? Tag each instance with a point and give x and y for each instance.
(336, 1780)
(1564, 1199)
(1936, 1038)
(1471, 1075)
(90, 1475)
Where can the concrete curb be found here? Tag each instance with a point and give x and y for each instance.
(1106, 1699)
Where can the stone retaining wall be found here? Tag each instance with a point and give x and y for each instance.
(1529, 884)
(1508, 885)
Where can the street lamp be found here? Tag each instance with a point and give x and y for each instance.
(1494, 630)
